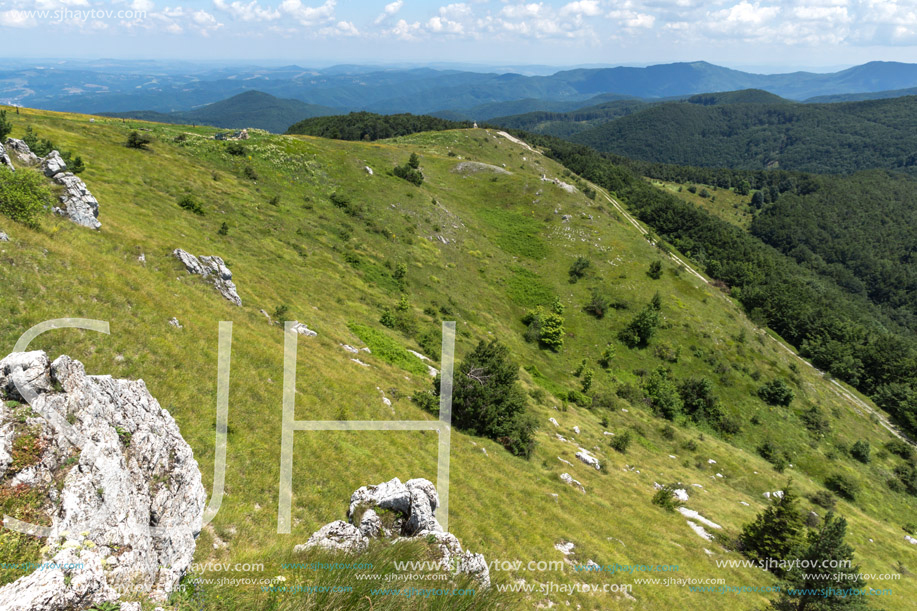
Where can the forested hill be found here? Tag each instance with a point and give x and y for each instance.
(823, 138)
(371, 126)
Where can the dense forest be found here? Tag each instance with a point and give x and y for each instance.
(566, 124)
(822, 138)
(842, 332)
(371, 126)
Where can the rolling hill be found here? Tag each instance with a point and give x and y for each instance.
(250, 109)
(494, 230)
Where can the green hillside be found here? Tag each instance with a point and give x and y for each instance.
(824, 138)
(493, 231)
(249, 109)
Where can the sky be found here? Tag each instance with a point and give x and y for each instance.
(768, 34)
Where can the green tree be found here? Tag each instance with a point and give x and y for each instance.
(804, 588)
(655, 271)
(487, 399)
(578, 268)
(776, 392)
(545, 327)
(414, 161)
(776, 533)
(663, 394)
(640, 330)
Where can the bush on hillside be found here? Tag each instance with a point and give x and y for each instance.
(24, 195)
(776, 533)
(547, 328)
(776, 392)
(136, 140)
(842, 485)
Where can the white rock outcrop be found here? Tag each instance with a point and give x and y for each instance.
(410, 508)
(213, 269)
(77, 203)
(21, 151)
(4, 237)
(133, 493)
(5, 158)
(589, 459)
(52, 165)
(302, 329)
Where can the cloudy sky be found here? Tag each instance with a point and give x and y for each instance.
(765, 33)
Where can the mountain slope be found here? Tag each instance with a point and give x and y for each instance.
(250, 109)
(824, 138)
(480, 247)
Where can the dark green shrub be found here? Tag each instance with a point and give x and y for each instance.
(188, 202)
(665, 498)
(815, 421)
(774, 455)
(236, 149)
(655, 271)
(250, 173)
(842, 485)
(900, 448)
(599, 304)
(823, 499)
(5, 126)
(579, 268)
(776, 392)
(620, 442)
(699, 402)
(641, 329)
(545, 327)
(136, 140)
(860, 451)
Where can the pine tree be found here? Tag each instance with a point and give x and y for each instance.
(823, 546)
(776, 534)
(5, 126)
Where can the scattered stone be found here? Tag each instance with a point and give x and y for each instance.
(690, 513)
(4, 237)
(142, 258)
(910, 539)
(368, 170)
(360, 363)
(350, 349)
(744, 503)
(266, 315)
(703, 534)
(211, 267)
(174, 322)
(589, 459)
(568, 479)
(576, 430)
(711, 461)
(680, 494)
(566, 462)
(78, 204)
(560, 437)
(302, 329)
(553, 421)
(565, 547)
(152, 482)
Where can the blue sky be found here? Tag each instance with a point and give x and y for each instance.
(800, 33)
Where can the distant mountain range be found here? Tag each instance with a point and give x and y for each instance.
(113, 87)
(249, 109)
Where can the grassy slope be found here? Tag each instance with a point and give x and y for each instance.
(294, 254)
(728, 205)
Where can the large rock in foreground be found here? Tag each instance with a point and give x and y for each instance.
(78, 204)
(395, 511)
(131, 501)
(213, 269)
(21, 151)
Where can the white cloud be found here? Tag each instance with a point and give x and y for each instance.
(389, 10)
(309, 15)
(589, 8)
(16, 19)
(247, 12)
